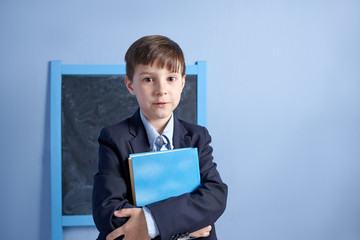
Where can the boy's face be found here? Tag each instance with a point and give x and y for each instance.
(157, 91)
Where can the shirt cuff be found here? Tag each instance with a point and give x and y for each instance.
(153, 230)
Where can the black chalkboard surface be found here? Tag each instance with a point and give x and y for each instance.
(89, 103)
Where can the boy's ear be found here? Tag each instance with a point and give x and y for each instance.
(129, 85)
(183, 81)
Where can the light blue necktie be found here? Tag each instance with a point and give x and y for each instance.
(162, 143)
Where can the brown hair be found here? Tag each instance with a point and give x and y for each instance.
(156, 49)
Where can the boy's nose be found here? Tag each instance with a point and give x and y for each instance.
(161, 88)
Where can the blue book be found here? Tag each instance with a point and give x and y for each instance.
(157, 176)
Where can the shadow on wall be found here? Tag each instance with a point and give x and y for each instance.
(45, 200)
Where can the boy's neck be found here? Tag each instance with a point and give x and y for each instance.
(160, 124)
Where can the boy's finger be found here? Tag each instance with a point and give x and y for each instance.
(126, 212)
(115, 234)
(208, 228)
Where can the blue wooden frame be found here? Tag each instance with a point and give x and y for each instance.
(58, 221)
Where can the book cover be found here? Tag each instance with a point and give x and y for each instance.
(157, 176)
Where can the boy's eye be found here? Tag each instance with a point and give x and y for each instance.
(172, 78)
(148, 79)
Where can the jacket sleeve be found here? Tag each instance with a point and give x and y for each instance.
(110, 190)
(202, 207)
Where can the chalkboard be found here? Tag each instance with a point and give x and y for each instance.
(84, 99)
(88, 103)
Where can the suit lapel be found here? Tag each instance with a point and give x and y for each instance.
(180, 138)
(139, 143)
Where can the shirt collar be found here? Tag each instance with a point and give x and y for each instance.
(152, 134)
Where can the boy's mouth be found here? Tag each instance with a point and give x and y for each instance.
(160, 104)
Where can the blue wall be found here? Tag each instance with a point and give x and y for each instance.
(283, 105)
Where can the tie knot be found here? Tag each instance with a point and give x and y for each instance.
(162, 143)
(159, 143)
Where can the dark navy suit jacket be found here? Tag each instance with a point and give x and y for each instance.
(174, 216)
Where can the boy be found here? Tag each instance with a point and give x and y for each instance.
(155, 74)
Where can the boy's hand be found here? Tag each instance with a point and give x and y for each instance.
(204, 232)
(134, 229)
